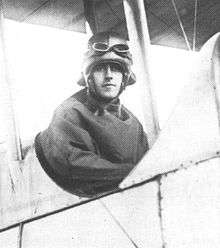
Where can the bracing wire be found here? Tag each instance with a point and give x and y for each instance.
(181, 25)
(195, 25)
(118, 224)
(20, 235)
(34, 11)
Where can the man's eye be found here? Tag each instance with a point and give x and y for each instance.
(116, 68)
(99, 68)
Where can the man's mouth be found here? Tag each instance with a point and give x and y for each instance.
(108, 85)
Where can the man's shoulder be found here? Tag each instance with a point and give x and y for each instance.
(126, 111)
(71, 105)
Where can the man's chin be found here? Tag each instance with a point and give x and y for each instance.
(107, 98)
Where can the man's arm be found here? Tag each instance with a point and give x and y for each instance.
(72, 153)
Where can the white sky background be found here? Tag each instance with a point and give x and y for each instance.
(45, 63)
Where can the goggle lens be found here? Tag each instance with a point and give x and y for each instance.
(102, 47)
(121, 48)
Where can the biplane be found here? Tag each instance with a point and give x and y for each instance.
(171, 198)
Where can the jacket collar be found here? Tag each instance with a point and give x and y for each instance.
(100, 108)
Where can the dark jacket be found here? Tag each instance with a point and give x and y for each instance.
(89, 148)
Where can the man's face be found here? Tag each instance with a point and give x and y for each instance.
(107, 79)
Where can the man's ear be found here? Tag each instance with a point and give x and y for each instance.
(82, 81)
(131, 79)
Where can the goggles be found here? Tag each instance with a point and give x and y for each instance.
(103, 47)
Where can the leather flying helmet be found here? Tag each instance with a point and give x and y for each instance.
(108, 47)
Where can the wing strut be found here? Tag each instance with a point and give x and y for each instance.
(140, 40)
(9, 131)
(195, 25)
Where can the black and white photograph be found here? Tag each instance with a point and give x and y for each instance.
(109, 123)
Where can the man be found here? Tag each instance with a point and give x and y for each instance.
(93, 141)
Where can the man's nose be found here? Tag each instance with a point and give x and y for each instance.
(108, 73)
